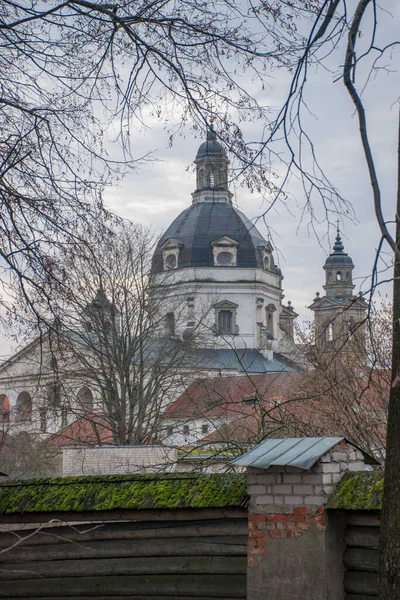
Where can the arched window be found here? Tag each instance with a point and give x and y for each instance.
(23, 407)
(330, 276)
(85, 399)
(348, 276)
(266, 263)
(338, 276)
(4, 408)
(351, 327)
(329, 332)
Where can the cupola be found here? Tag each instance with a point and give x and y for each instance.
(338, 269)
(211, 171)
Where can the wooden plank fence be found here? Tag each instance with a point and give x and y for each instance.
(185, 559)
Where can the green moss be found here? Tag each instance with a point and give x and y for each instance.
(359, 491)
(119, 492)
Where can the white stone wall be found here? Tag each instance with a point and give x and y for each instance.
(118, 460)
(279, 489)
(209, 286)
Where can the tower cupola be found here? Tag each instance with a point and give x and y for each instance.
(338, 269)
(211, 171)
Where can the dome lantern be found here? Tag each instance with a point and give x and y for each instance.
(211, 171)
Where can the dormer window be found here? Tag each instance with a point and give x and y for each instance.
(266, 256)
(170, 250)
(225, 258)
(225, 252)
(170, 261)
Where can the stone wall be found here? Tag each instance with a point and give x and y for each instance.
(117, 460)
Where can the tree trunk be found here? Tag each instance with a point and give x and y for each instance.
(390, 537)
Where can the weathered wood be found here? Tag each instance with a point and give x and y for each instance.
(362, 537)
(179, 514)
(363, 519)
(196, 546)
(360, 582)
(358, 597)
(194, 586)
(361, 559)
(125, 566)
(130, 530)
(163, 597)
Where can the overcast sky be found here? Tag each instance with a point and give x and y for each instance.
(158, 191)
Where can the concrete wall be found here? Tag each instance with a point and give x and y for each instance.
(294, 551)
(118, 460)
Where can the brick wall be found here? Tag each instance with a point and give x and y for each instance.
(287, 526)
(117, 460)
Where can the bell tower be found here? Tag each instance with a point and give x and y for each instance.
(339, 316)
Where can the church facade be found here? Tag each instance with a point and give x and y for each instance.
(219, 282)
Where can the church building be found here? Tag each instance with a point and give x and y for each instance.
(218, 281)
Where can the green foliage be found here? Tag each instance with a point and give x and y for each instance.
(359, 491)
(119, 492)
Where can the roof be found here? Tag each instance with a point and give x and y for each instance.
(338, 257)
(90, 430)
(211, 148)
(302, 453)
(227, 396)
(358, 491)
(123, 492)
(200, 224)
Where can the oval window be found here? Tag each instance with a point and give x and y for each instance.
(170, 261)
(225, 258)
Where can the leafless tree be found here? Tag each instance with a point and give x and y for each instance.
(119, 360)
(75, 74)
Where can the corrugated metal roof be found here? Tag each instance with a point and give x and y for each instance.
(302, 453)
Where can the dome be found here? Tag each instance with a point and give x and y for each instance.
(200, 224)
(211, 148)
(338, 258)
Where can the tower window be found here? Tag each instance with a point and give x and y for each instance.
(338, 276)
(329, 276)
(329, 332)
(266, 263)
(348, 276)
(225, 258)
(225, 320)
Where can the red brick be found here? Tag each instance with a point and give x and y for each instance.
(319, 527)
(302, 526)
(254, 517)
(302, 510)
(256, 534)
(261, 543)
(321, 510)
(276, 533)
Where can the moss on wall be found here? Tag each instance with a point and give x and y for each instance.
(358, 491)
(78, 494)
